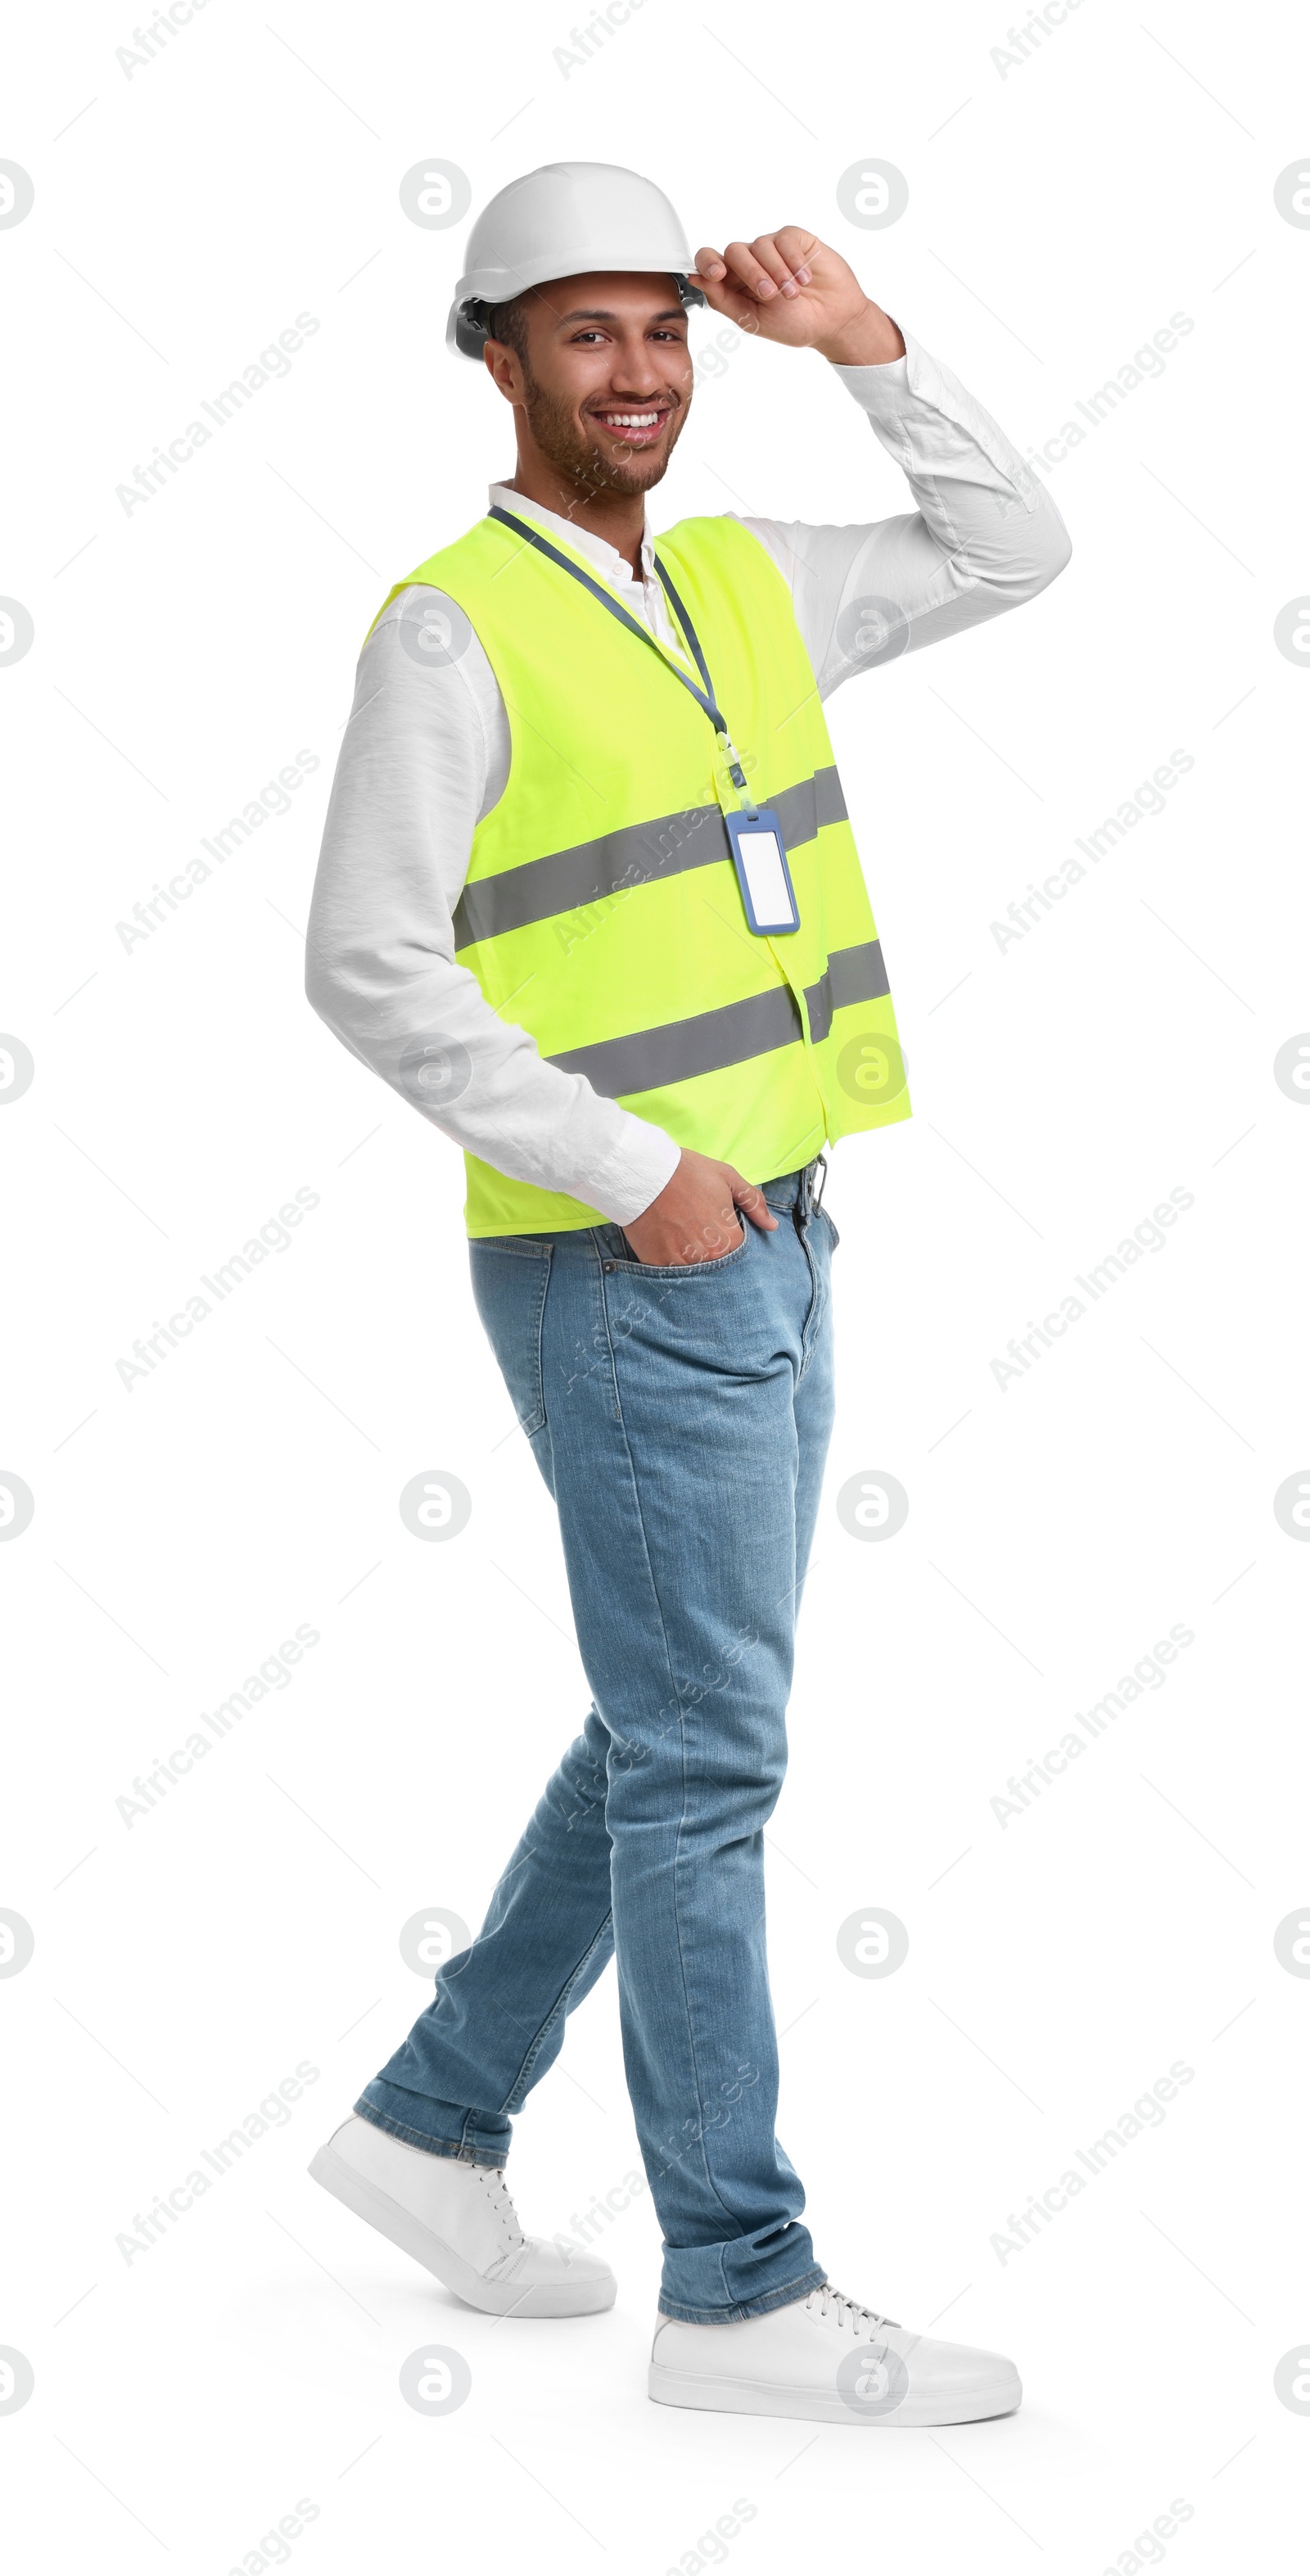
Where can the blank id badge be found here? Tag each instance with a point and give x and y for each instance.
(760, 859)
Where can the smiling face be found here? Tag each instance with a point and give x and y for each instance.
(604, 382)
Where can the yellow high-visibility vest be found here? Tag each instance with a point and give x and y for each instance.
(602, 910)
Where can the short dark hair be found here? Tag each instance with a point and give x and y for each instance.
(509, 323)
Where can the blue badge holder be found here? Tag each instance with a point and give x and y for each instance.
(759, 855)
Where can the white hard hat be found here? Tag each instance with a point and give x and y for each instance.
(561, 221)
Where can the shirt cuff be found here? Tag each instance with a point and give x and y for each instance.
(882, 387)
(636, 1171)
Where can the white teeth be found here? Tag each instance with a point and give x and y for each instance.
(630, 419)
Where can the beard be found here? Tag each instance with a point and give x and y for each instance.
(578, 460)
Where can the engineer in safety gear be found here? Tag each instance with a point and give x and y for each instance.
(590, 900)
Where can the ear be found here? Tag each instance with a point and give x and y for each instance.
(503, 367)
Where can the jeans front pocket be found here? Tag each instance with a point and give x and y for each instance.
(701, 1269)
(511, 1275)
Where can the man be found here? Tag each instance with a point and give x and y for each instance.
(589, 897)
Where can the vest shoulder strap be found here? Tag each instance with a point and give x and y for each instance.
(706, 548)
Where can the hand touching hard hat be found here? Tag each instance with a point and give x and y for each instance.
(790, 287)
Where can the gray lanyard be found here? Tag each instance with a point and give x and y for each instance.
(705, 697)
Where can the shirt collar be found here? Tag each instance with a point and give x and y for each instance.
(606, 558)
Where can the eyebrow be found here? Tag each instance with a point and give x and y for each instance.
(672, 313)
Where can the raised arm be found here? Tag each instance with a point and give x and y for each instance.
(985, 534)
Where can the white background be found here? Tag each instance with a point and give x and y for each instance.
(1059, 212)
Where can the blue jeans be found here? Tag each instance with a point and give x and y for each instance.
(681, 1419)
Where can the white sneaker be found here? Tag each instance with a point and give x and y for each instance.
(458, 2220)
(830, 2362)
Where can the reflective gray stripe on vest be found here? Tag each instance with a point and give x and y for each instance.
(653, 1059)
(568, 880)
(852, 975)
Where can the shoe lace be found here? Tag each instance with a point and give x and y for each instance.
(847, 2312)
(492, 2180)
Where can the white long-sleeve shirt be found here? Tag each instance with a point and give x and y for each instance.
(426, 755)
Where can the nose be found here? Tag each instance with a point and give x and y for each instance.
(637, 384)
(636, 372)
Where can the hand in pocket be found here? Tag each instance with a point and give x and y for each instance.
(699, 1216)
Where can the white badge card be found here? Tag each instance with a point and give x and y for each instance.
(760, 858)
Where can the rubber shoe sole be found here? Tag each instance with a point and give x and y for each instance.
(815, 2406)
(497, 2299)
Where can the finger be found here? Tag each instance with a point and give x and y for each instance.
(766, 251)
(730, 300)
(723, 293)
(692, 1252)
(797, 247)
(716, 1239)
(754, 1204)
(771, 258)
(729, 1247)
(711, 274)
(724, 1235)
(748, 269)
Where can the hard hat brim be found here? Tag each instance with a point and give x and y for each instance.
(469, 316)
